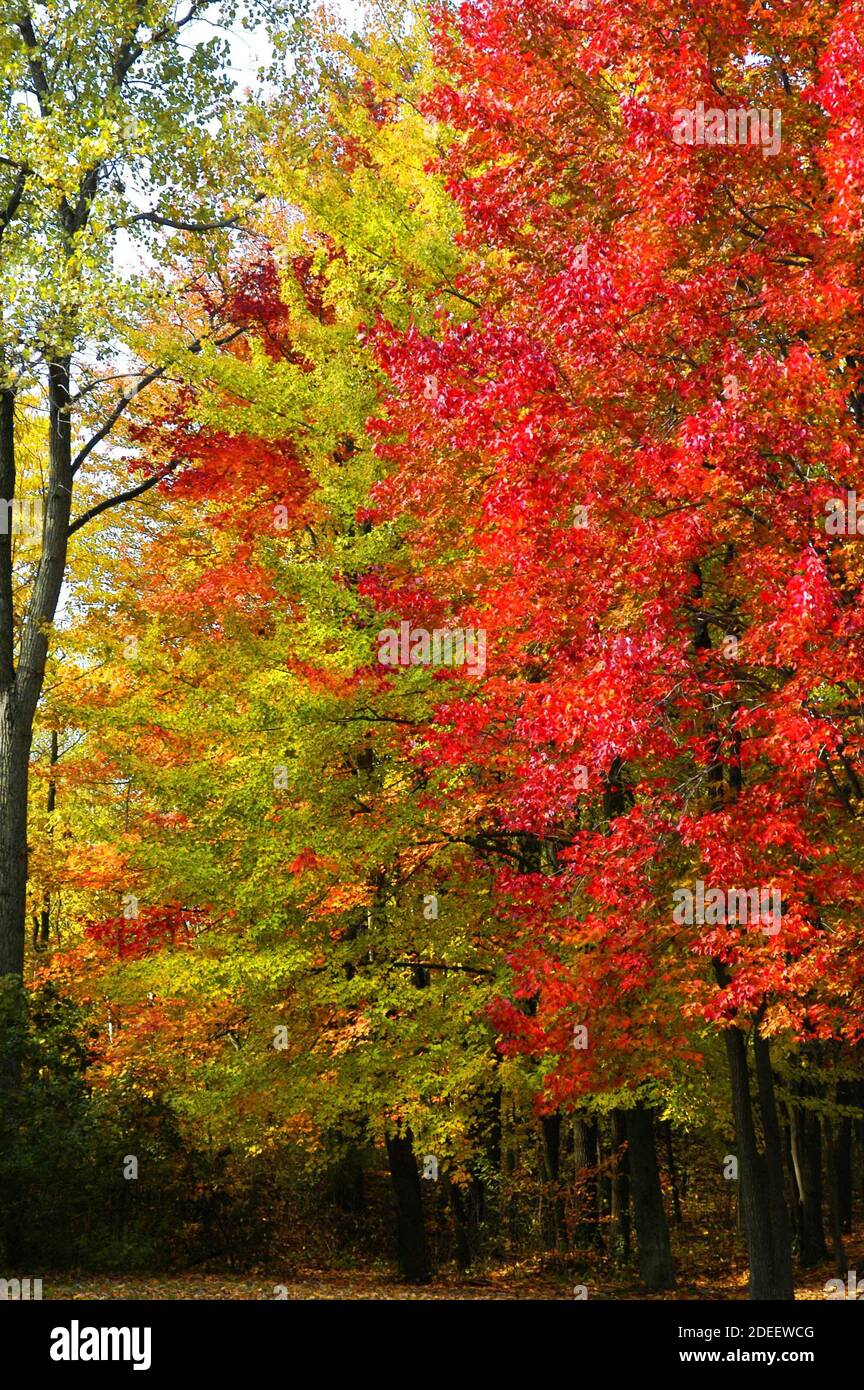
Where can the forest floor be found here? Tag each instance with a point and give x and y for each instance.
(719, 1278)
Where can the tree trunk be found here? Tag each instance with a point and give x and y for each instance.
(587, 1228)
(845, 1096)
(778, 1213)
(42, 923)
(620, 1186)
(15, 738)
(652, 1232)
(856, 1089)
(349, 1192)
(461, 1227)
(841, 1264)
(673, 1173)
(20, 689)
(769, 1277)
(554, 1224)
(411, 1246)
(807, 1157)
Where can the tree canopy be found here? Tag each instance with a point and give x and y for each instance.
(430, 695)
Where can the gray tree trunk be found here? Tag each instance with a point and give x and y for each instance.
(20, 688)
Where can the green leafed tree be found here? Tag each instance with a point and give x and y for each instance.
(120, 133)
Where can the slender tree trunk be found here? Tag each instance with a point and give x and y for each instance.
(14, 770)
(348, 1185)
(555, 1226)
(841, 1264)
(845, 1096)
(769, 1279)
(652, 1231)
(604, 1178)
(673, 1172)
(796, 1158)
(857, 1098)
(7, 494)
(461, 1227)
(411, 1246)
(14, 1019)
(488, 1137)
(620, 1186)
(778, 1212)
(511, 1207)
(587, 1229)
(15, 738)
(20, 689)
(807, 1156)
(42, 923)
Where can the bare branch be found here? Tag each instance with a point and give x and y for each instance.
(107, 426)
(141, 385)
(13, 201)
(181, 225)
(35, 65)
(121, 497)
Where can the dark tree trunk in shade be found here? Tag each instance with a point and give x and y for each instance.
(778, 1212)
(830, 1132)
(845, 1096)
(15, 739)
(791, 1177)
(585, 1159)
(652, 1231)
(412, 1252)
(14, 1020)
(460, 1207)
(620, 1185)
(554, 1225)
(484, 1198)
(348, 1186)
(604, 1176)
(490, 1139)
(807, 1159)
(672, 1170)
(513, 1213)
(770, 1268)
(856, 1091)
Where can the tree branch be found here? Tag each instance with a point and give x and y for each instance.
(179, 224)
(14, 200)
(107, 426)
(434, 965)
(121, 497)
(34, 63)
(141, 385)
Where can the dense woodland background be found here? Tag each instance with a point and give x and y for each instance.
(314, 968)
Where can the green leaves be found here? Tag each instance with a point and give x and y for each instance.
(117, 122)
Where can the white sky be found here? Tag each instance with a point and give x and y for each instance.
(250, 51)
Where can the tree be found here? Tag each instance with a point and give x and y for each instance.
(107, 133)
(604, 428)
(645, 427)
(252, 636)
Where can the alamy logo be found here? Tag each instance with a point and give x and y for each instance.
(854, 1287)
(719, 905)
(844, 516)
(21, 518)
(78, 1343)
(696, 126)
(444, 647)
(20, 1289)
